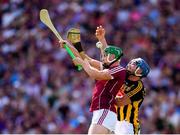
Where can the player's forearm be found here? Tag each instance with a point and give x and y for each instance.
(79, 54)
(84, 56)
(74, 50)
(95, 73)
(92, 72)
(104, 43)
(94, 63)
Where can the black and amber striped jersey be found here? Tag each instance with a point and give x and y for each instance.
(136, 92)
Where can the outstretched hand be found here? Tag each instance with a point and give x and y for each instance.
(100, 32)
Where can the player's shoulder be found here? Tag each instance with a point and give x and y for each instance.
(117, 69)
(140, 82)
(134, 86)
(139, 85)
(136, 91)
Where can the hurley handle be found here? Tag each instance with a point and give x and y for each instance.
(72, 56)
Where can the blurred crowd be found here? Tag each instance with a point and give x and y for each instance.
(42, 92)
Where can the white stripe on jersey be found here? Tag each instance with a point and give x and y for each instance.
(112, 95)
(110, 102)
(101, 94)
(115, 70)
(113, 86)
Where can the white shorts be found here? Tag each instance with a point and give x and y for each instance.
(105, 118)
(124, 127)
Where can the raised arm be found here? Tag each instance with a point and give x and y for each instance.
(95, 63)
(102, 44)
(93, 72)
(100, 34)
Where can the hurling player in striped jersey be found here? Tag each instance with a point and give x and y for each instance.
(131, 94)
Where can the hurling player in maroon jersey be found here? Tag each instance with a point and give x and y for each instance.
(108, 83)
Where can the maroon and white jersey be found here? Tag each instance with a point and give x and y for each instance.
(105, 91)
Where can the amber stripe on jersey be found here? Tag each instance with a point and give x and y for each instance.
(121, 113)
(136, 90)
(128, 113)
(136, 106)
